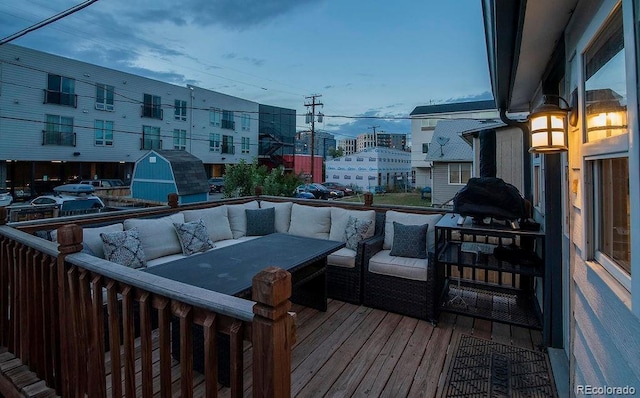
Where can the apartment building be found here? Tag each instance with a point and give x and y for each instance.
(385, 140)
(63, 119)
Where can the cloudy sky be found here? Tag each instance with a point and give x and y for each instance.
(373, 62)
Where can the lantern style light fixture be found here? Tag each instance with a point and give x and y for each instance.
(606, 119)
(548, 127)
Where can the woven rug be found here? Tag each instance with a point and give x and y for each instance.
(484, 368)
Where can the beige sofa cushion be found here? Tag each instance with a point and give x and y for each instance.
(283, 214)
(216, 219)
(238, 218)
(342, 258)
(339, 218)
(91, 237)
(310, 221)
(410, 219)
(158, 236)
(402, 267)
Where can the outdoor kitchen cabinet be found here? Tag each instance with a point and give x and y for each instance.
(490, 271)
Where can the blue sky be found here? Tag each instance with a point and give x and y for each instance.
(369, 60)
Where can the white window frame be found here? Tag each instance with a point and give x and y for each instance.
(459, 165)
(107, 103)
(215, 117)
(245, 146)
(214, 142)
(179, 139)
(245, 121)
(180, 110)
(103, 132)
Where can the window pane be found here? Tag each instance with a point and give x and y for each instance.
(613, 211)
(465, 173)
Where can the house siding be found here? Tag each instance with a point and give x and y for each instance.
(442, 191)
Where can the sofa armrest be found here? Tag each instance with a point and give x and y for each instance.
(369, 247)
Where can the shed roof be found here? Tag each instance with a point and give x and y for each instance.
(454, 107)
(454, 147)
(188, 171)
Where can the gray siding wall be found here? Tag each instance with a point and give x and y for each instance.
(442, 191)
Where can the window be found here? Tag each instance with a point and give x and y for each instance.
(214, 142)
(246, 122)
(425, 147)
(180, 110)
(179, 139)
(611, 213)
(459, 173)
(215, 115)
(151, 138)
(152, 106)
(245, 144)
(605, 84)
(104, 97)
(227, 144)
(103, 132)
(227, 120)
(60, 90)
(58, 131)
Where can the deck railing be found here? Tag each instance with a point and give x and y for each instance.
(57, 304)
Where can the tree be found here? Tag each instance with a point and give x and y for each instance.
(336, 153)
(242, 179)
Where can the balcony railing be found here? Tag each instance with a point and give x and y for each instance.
(152, 111)
(60, 98)
(228, 124)
(57, 138)
(228, 148)
(150, 143)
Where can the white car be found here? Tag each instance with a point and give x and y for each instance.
(71, 197)
(5, 197)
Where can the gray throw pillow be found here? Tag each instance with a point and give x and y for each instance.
(124, 247)
(261, 221)
(193, 237)
(409, 240)
(355, 231)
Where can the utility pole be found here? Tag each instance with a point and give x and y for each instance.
(375, 137)
(311, 118)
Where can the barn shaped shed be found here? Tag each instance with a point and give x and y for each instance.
(161, 172)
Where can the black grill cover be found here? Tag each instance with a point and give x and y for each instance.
(489, 197)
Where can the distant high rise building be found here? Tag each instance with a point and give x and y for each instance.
(385, 140)
(348, 145)
(323, 143)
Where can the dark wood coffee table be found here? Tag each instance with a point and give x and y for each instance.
(230, 270)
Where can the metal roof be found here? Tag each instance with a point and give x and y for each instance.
(188, 170)
(454, 107)
(448, 145)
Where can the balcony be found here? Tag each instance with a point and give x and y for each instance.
(60, 139)
(150, 143)
(60, 98)
(228, 148)
(152, 111)
(228, 124)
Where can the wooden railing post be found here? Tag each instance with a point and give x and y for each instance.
(368, 199)
(70, 241)
(173, 200)
(258, 191)
(272, 337)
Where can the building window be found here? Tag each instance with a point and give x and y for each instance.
(605, 84)
(459, 173)
(425, 147)
(104, 97)
(227, 120)
(215, 116)
(245, 144)
(214, 142)
(152, 106)
(58, 130)
(151, 138)
(227, 144)
(180, 110)
(246, 122)
(103, 132)
(179, 139)
(611, 216)
(60, 90)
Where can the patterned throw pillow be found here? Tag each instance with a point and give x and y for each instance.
(409, 240)
(193, 237)
(123, 247)
(355, 231)
(261, 221)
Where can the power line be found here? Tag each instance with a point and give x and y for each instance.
(47, 21)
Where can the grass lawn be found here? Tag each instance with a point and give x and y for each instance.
(402, 198)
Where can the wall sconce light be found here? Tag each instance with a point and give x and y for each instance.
(605, 119)
(548, 126)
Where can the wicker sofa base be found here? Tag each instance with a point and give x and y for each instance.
(345, 284)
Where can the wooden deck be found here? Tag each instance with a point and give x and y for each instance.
(352, 350)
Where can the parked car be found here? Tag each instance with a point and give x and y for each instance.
(319, 191)
(216, 184)
(71, 197)
(5, 197)
(104, 182)
(339, 187)
(305, 195)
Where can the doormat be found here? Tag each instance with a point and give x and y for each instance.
(484, 368)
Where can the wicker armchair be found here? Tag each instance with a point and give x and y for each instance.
(410, 297)
(346, 284)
